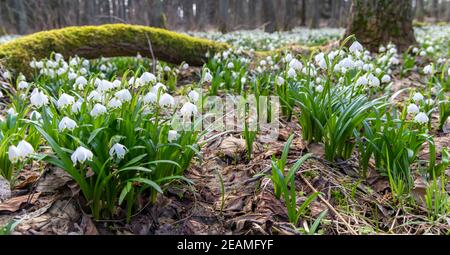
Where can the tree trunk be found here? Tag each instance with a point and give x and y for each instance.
(270, 23)
(223, 15)
(420, 12)
(315, 13)
(378, 22)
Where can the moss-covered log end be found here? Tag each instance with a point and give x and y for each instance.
(106, 41)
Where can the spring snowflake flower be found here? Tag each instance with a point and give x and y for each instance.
(295, 64)
(188, 110)
(362, 81)
(208, 77)
(104, 85)
(147, 77)
(136, 82)
(114, 103)
(157, 87)
(413, 109)
(123, 95)
(95, 96)
(13, 154)
(319, 88)
(415, 50)
(65, 100)
(185, 66)
(67, 123)
(81, 154)
(428, 69)
(167, 69)
(72, 76)
(356, 47)
(291, 73)
(421, 118)
(373, 81)
(166, 100)
(417, 97)
(382, 49)
(230, 65)
(386, 78)
(11, 111)
(25, 149)
(80, 82)
(422, 53)
(76, 107)
(172, 136)
(193, 96)
(35, 116)
(23, 85)
(280, 80)
(38, 98)
(150, 98)
(98, 110)
(6, 75)
(119, 150)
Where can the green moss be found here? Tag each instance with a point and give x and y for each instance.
(107, 41)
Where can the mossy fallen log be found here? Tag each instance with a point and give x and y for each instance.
(106, 41)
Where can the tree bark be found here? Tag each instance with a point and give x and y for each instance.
(378, 22)
(269, 16)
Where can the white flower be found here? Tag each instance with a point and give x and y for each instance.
(448, 72)
(80, 82)
(36, 116)
(422, 53)
(172, 136)
(208, 77)
(185, 66)
(72, 76)
(147, 77)
(98, 110)
(119, 150)
(428, 69)
(413, 109)
(67, 123)
(13, 154)
(81, 154)
(356, 46)
(193, 96)
(430, 49)
(421, 118)
(167, 69)
(150, 98)
(136, 82)
(95, 96)
(319, 88)
(362, 81)
(166, 100)
(1, 94)
(415, 50)
(291, 73)
(382, 49)
(23, 85)
(65, 100)
(157, 87)
(114, 103)
(386, 78)
(11, 111)
(373, 81)
(124, 95)
(280, 80)
(25, 149)
(116, 83)
(295, 64)
(38, 98)
(188, 110)
(76, 107)
(6, 75)
(417, 97)
(230, 65)
(104, 85)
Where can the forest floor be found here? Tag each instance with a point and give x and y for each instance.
(47, 202)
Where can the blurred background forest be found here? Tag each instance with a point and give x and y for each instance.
(28, 16)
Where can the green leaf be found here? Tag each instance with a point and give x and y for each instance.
(148, 182)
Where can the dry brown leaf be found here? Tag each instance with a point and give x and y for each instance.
(13, 204)
(29, 179)
(88, 226)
